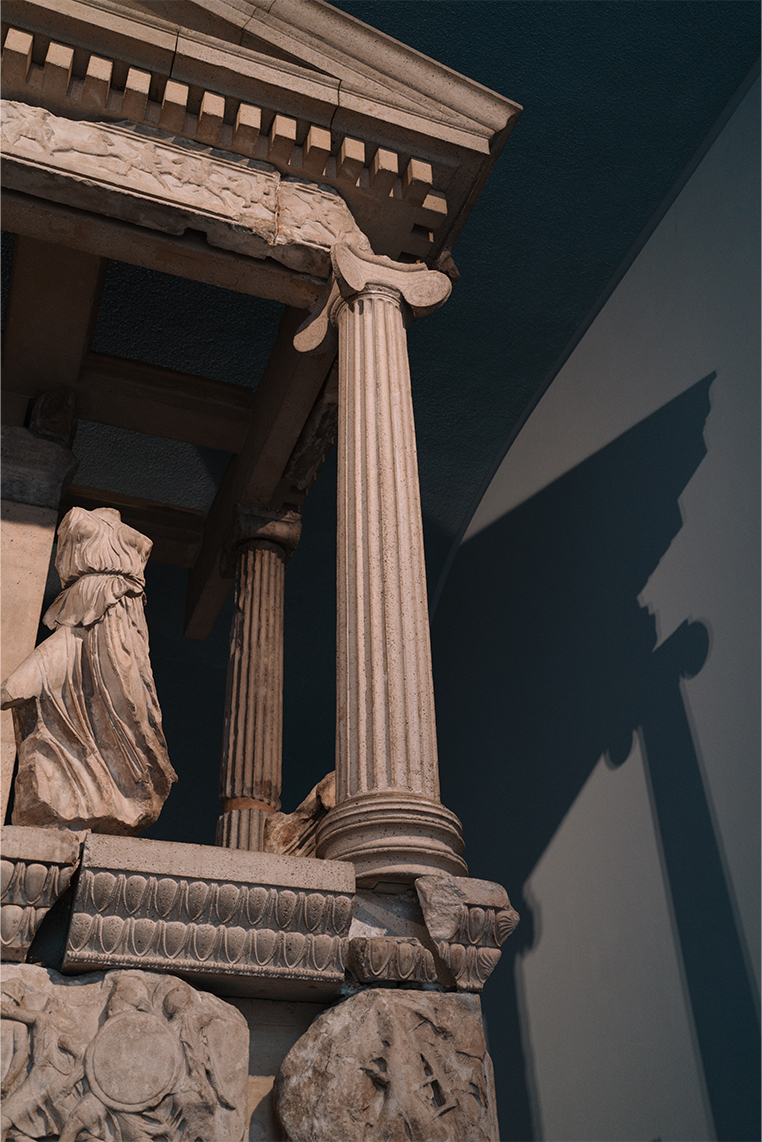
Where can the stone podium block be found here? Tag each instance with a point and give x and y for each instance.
(253, 924)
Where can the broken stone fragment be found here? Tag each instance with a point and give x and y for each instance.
(387, 1066)
(469, 920)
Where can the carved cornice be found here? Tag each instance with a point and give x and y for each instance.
(85, 86)
(390, 959)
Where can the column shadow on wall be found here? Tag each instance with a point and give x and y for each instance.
(544, 661)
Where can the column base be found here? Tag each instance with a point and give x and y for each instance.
(392, 835)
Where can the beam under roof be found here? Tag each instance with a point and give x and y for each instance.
(288, 391)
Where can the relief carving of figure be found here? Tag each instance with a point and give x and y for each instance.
(92, 753)
(46, 1040)
(126, 1057)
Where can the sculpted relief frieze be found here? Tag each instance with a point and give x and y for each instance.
(148, 177)
(121, 1057)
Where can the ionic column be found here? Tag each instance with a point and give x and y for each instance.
(250, 779)
(388, 819)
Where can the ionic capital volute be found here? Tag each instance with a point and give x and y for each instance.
(357, 271)
(279, 529)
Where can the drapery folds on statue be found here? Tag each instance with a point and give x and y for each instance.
(91, 748)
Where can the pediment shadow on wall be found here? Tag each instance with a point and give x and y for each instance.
(544, 661)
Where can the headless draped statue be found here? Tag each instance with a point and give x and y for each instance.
(91, 749)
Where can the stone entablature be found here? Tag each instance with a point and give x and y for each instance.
(302, 86)
(225, 124)
(149, 180)
(250, 923)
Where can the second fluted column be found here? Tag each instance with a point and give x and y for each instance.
(250, 780)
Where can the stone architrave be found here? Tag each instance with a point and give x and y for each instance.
(126, 1054)
(469, 920)
(148, 178)
(92, 753)
(35, 472)
(390, 1066)
(254, 924)
(250, 779)
(388, 819)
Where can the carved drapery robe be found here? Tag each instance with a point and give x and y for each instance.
(92, 752)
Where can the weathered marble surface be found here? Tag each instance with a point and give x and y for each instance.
(148, 177)
(390, 1066)
(469, 920)
(296, 833)
(121, 1057)
(92, 753)
(397, 959)
(388, 819)
(252, 743)
(253, 923)
(37, 866)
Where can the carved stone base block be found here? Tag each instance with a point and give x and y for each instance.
(390, 1066)
(37, 866)
(391, 835)
(125, 1055)
(250, 923)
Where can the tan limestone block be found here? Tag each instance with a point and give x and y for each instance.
(37, 866)
(173, 106)
(384, 169)
(351, 159)
(282, 139)
(248, 124)
(250, 923)
(210, 118)
(416, 182)
(317, 148)
(57, 71)
(135, 98)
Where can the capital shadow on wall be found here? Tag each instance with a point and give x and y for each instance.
(544, 661)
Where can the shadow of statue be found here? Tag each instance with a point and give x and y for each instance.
(544, 660)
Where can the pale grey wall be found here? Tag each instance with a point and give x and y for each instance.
(614, 979)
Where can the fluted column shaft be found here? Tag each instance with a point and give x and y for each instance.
(250, 778)
(386, 735)
(388, 819)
